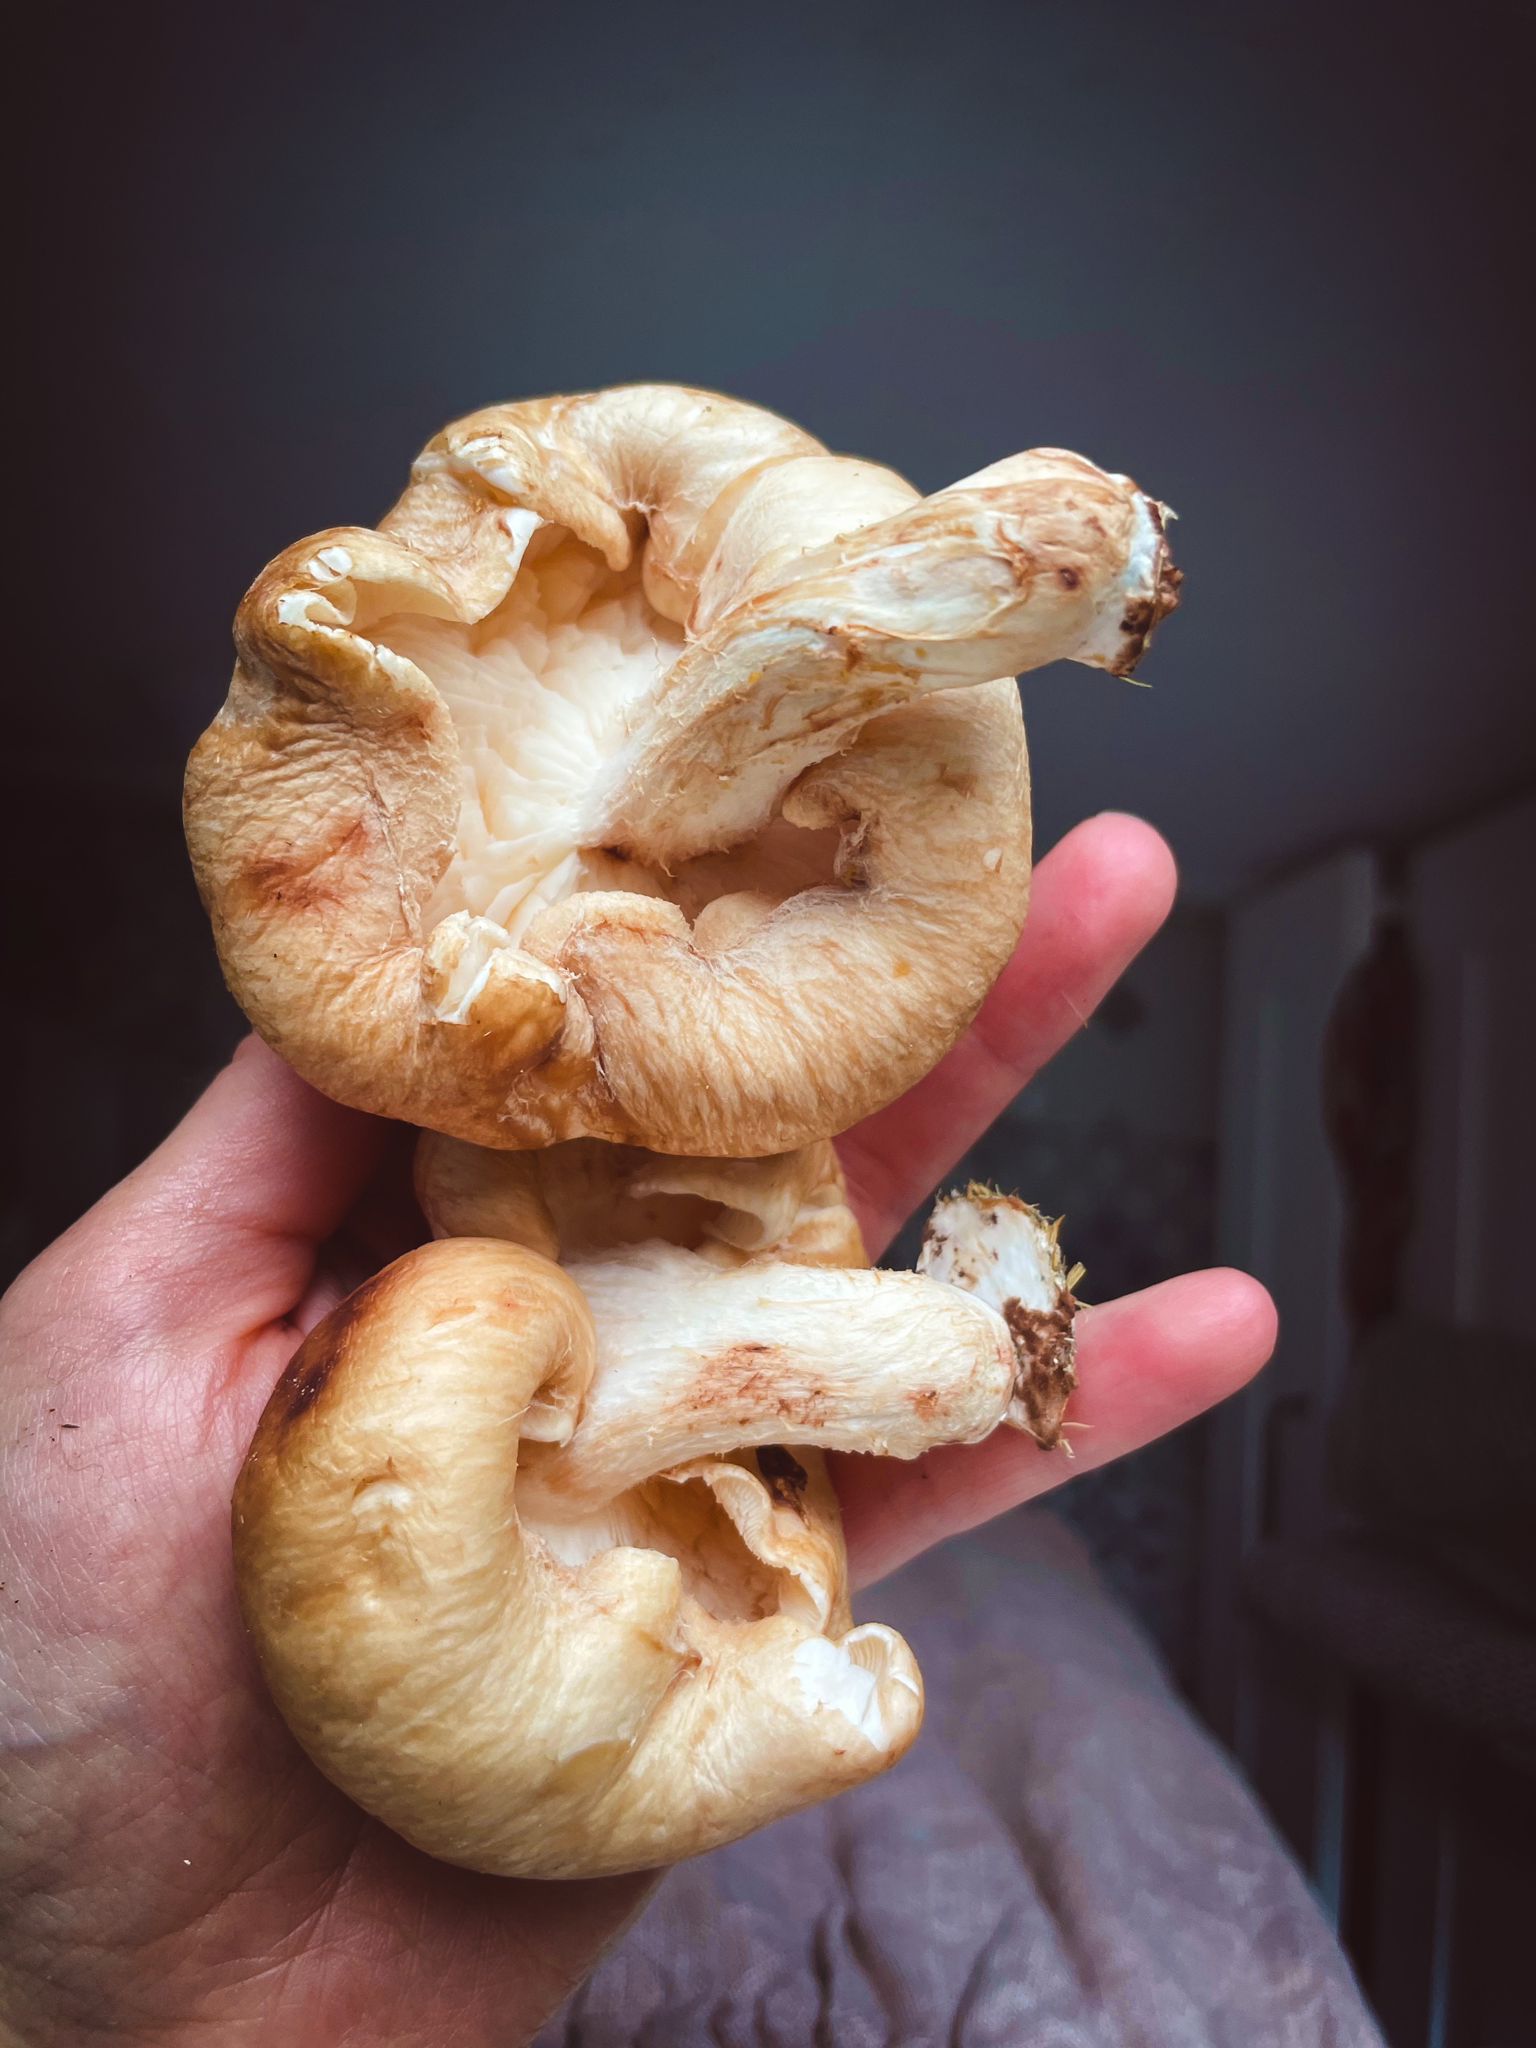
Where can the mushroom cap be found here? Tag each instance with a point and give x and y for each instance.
(649, 773)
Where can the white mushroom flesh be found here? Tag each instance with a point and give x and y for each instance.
(539, 691)
(694, 1359)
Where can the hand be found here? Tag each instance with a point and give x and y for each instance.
(174, 1867)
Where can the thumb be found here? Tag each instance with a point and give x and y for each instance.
(260, 1171)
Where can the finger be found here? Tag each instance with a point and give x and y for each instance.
(1097, 898)
(1146, 1364)
(258, 1173)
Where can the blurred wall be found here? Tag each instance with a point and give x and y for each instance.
(1259, 258)
(1256, 257)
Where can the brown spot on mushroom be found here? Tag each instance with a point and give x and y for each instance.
(1069, 579)
(312, 1364)
(1023, 563)
(301, 1385)
(755, 1380)
(306, 880)
(925, 1402)
(1141, 617)
(315, 1362)
(724, 1378)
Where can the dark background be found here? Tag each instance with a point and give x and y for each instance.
(1268, 260)
(1265, 259)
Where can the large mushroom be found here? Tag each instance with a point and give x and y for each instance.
(641, 752)
(540, 1558)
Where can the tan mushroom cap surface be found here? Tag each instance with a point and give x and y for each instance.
(541, 1559)
(649, 773)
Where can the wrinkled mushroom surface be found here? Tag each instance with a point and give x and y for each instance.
(584, 1196)
(640, 762)
(541, 1559)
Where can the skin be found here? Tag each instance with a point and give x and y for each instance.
(172, 1869)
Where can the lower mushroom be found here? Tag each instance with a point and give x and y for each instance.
(531, 1572)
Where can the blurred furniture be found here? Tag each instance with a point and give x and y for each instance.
(1368, 1630)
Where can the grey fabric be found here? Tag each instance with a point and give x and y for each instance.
(1066, 1858)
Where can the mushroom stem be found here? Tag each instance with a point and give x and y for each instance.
(1041, 558)
(695, 1360)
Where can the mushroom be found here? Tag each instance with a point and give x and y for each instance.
(641, 750)
(541, 1559)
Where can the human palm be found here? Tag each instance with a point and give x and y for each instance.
(173, 1866)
